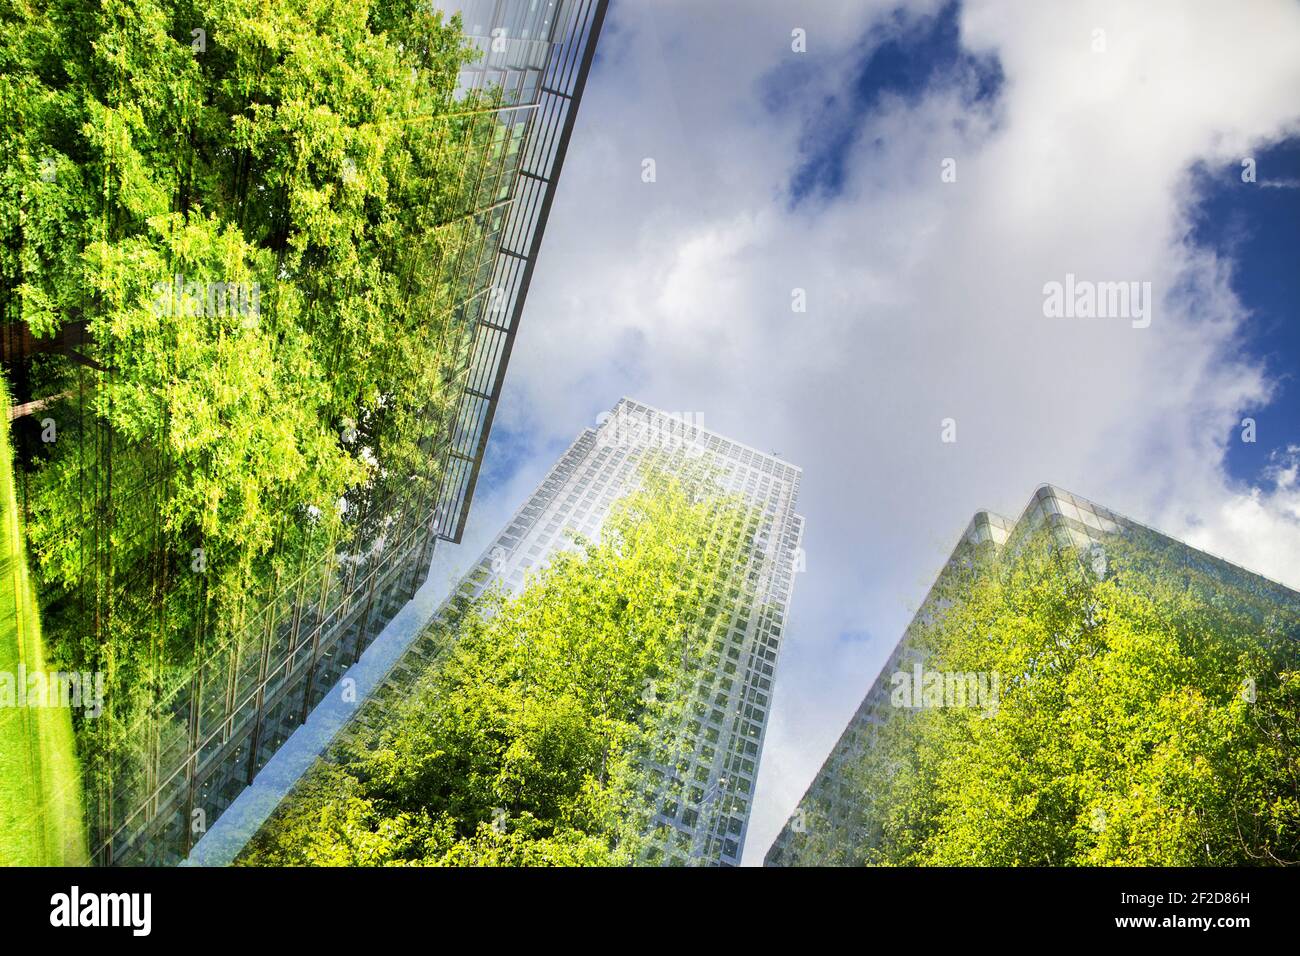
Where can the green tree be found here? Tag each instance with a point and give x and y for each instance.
(261, 225)
(550, 721)
(1146, 716)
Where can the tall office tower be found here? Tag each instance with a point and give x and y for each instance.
(707, 812)
(217, 639)
(832, 825)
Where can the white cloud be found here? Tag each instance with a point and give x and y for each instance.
(925, 298)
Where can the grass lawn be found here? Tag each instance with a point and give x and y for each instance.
(40, 787)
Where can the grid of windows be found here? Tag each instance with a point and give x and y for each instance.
(538, 53)
(708, 813)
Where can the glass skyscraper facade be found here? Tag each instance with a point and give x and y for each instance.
(704, 811)
(538, 53)
(832, 824)
(171, 753)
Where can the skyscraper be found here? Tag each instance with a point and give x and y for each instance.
(215, 684)
(832, 824)
(706, 810)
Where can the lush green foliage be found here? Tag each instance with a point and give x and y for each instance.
(307, 171)
(527, 742)
(40, 789)
(1149, 716)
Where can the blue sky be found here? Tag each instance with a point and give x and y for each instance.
(902, 55)
(1257, 226)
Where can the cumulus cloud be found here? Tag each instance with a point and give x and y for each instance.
(925, 297)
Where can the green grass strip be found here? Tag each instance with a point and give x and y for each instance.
(40, 787)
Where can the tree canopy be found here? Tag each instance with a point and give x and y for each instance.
(1146, 715)
(262, 224)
